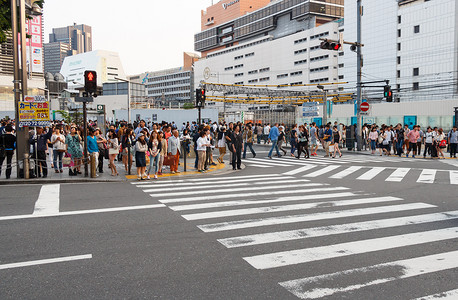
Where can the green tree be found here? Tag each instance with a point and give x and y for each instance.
(71, 117)
(5, 17)
(188, 105)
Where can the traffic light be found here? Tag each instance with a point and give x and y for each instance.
(335, 46)
(387, 93)
(198, 97)
(90, 81)
(203, 96)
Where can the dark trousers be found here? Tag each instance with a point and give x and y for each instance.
(453, 149)
(399, 144)
(197, 158)
(9, 158)
(101, 156)
(41, 162)
(251, 149)
(237, 158)
(303, 147)
(293, 145)
(428, 147)
(208, 154)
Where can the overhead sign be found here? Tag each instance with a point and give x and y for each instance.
(311, 114)
(84, 99)
(34, 111)
(310, 109)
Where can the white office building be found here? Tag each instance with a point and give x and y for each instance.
(411, 43)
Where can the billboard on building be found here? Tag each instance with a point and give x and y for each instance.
(35, 44)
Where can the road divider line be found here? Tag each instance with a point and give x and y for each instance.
(282, 208)
(267, 193)
(290, 235)
(44, 261)
(48, 200)
(254, 202)
(300, 256)
(251, 223)
(329, 284)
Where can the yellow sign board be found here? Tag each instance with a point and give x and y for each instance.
(34, 111)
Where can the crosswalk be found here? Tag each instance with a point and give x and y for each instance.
(342, 170)
(283, 221)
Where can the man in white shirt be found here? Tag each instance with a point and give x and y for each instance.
(266, 133)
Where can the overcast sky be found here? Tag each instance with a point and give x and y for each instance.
(149, 35)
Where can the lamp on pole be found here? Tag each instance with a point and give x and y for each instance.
(128, 97)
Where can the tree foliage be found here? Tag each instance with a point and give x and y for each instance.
(5, 17)
(188, 105)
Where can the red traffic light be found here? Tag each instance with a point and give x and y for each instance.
(336, 46)
(330, 46)
(90, 81)
(90, 76)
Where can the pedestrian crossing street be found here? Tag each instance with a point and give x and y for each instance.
(340, 169)
(282, 222)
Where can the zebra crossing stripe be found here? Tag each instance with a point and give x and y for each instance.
(210, 179)
(427, 176)
(253, 202)
(322, 171)
(239, 224)
(282, 208)
(187, 183)
(267, 193)
(294, 257)
(398, 175)
(453, 177)
(250, 164)
(296, 161)
(451, 295)
(270, 163)
(371, 173)
(300, 170)
(282, 236)
(345, 172)
(272, 186)
(329, 284)
(187, 188)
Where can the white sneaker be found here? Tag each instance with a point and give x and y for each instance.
(155, 176)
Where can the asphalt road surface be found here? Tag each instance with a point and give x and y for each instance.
(356, 227)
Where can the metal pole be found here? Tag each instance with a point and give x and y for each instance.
(86, 169)
(325, 108)
(129, 159)
(358, 79)
(456, 116)
(128, 102)
(200, 113)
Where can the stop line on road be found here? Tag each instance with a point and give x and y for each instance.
(253, 216)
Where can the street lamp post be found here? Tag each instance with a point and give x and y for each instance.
(128, 97)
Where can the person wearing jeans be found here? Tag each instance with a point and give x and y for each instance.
(59, 148)
(273, 137)
(248, 141)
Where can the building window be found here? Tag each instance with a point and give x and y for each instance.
(399, 60)
(416, 29)
(296, 73)
(249, 54)
(416, 86)
(341, 65)
(300, 41)
(228, 68)
(282, 76)
(252, 81)
(264, 79)
(239, 83)
(398, 74)
(416, 71)
(399, 46)
(399, 33)
(300, 51)
(399, 19)
(238, 57)
(239, 66)
(341, 77)
(300, 62)
(238, 74)
(264, 70)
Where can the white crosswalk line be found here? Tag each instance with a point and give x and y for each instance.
(345, 172)
(48, 202)
(251, 223)
(268, 163)
(203, 183)
(398, 175)
(282, 236)
(427, 176)
(329, 284)
(300, 170)
(453, 177)
(282, 208)
(371, 173)
(218, 178)
(448, 295)
(293, 257)
(250, 164)
(230, 184)
(321, 172)
(266, 193)
(253, 202)
(299, 162)
(272, 186)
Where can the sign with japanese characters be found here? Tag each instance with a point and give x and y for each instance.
(34, 111)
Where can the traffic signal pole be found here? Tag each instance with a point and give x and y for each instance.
(359, 122)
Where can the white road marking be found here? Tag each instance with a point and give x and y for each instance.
(345, 172)
(270, 163)
(44, 261)
(230, 184)
(322, 171)
(371, 173)
(48, 200)
(427, 176)
(187, 183)
(250, 164)
(218, 178)
(300, 170)
(281, 208)
(294, 257)
(83, 212)
(310, 217)
(290, 235)
(272, 186)
(254, 202)
(451, 295)
(453, 177)
(398, 175)
(247, 195)
(329, 284)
